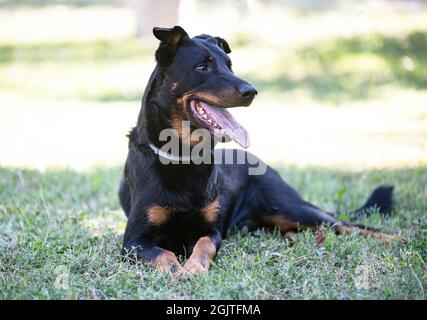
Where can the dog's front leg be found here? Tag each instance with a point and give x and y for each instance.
(139, 243)
(204, 251)
(161, 259)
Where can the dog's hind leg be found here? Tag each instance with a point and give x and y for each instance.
(277, 204)
(343, 228)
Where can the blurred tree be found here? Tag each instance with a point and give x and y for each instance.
(150, 13)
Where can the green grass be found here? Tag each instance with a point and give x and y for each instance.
(61, 231)
(333, 71)
(83, 52)
(338, 70)
(60, 237)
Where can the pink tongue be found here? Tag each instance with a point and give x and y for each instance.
(225, 120)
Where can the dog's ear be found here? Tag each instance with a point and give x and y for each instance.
(170, 35)
(223, 45)
(170, 39)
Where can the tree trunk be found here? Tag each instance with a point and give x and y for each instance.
(155, 13)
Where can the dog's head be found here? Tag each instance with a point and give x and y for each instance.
(198, 84)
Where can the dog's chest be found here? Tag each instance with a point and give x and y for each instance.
(181, 228)
(184, 216)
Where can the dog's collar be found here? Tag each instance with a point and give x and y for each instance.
(171, 157)
(166, 155)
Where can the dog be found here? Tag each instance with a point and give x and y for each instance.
(184, 208)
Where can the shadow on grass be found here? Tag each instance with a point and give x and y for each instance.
(352, 69)
(338, 190)
(73, 198)
(68, 219)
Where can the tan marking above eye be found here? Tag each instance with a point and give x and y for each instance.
(211, 211)
(158, 215)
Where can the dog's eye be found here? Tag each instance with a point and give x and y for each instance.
(202, 67)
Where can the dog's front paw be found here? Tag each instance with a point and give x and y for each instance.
(167, 262)
(193, 267)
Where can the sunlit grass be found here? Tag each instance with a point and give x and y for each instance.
(86, 82)
(381, 133)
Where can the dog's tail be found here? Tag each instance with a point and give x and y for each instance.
(381, 200)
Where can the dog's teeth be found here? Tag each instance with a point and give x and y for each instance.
(210, 121)
(205, 116)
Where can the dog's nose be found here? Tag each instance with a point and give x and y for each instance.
(247, 91)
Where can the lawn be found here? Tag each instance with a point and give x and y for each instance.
(340, 111)
(61, 235)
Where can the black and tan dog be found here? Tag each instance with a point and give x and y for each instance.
(187, 208)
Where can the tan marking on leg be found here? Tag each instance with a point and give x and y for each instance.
(289, 237)
(284, 224)
(211, 211)
(158, 215)
(320, 236)
(167, 262)
(383, 237)
(203, 252)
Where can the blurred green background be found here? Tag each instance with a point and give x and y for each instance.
(342, 108)
(342, 83)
